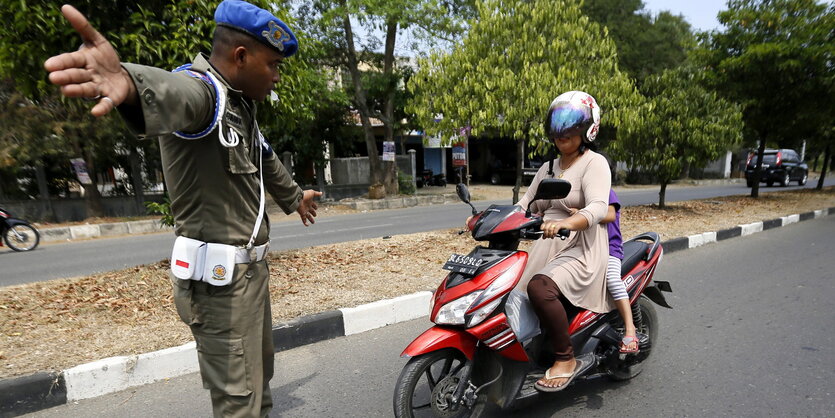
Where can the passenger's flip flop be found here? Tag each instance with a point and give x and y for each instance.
(624, 343)
(583, 365)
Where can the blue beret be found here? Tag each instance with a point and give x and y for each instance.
(258, 23)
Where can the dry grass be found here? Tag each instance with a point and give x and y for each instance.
(63, 323)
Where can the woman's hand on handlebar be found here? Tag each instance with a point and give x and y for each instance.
(550, 229)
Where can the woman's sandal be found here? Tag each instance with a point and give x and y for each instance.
(624, 344)
(582, 366)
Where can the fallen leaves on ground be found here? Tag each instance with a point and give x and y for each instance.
(63, 323)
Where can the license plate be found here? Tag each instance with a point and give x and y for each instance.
(463, 264)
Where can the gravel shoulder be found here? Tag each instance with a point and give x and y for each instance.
(63, 323)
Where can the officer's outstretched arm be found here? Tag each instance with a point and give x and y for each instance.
(307, 206)
(94, 71)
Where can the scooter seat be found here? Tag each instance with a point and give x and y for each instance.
(633, 252)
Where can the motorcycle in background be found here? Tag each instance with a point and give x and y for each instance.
(487, 346)
(18, 234)
(428, 178)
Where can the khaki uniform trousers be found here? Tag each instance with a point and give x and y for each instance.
(232, 326)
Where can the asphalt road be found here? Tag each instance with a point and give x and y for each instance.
(53, 261)
(749, 336)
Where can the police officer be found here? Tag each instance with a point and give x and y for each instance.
(217, 168)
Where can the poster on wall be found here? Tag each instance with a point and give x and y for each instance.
(80, 168)
(388, 150)
(459, 154)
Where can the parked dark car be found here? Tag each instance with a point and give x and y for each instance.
(779, 166)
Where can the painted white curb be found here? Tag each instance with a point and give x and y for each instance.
(791, 219)
(119, 373)
(385, 312)
(751, 228)
(698, 240)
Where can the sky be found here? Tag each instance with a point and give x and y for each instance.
(701, 14)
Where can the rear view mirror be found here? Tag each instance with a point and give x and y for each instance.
(463, 192)
(464, 195)
(550, 189)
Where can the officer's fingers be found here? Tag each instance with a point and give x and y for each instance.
(73, 76)
(87, 90)
(88, 33)
(103, 107)
(64, 61)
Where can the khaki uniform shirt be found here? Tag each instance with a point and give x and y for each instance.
(214, 190)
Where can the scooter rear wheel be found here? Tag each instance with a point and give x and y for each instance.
(648, 326)
(426, 383)
(22, 237)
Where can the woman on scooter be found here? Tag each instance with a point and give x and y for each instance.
(576, 268)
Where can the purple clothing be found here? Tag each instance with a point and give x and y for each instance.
(615, 239)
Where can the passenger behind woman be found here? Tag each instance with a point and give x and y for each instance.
(629, 343)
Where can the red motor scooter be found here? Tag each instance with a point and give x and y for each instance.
(487, 346)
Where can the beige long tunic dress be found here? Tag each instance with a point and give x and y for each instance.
(578, 264)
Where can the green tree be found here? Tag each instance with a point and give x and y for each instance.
(161, 33)
(516, 57)
(685, 126)
(646, 45)
(776, 59)
(336, 21)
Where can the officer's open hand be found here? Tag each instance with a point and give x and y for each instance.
(307, 207)
(94, 71)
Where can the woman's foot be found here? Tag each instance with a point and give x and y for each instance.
(564, 369)
(629, 343)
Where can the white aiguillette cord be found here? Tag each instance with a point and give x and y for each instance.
(258, 220)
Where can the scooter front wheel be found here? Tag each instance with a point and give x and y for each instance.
(426, 385)
(22, 237)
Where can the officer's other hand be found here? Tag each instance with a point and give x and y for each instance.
(94, 71)
(307, 207)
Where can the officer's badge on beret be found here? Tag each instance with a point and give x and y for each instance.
(258, 23)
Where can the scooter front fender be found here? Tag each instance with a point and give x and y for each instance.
(437, 338)
(12, 222)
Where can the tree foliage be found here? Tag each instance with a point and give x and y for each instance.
(160, 33)
(515, 59)
(686, 125)
(335, 21)
(776, 59)
(646, 45)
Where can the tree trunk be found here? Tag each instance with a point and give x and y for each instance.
(755, 190)
(375, 170)
(662, 195)
(92, 196)
(136, 180)
(43, 194)
(826, 162)
(320, 179)
(520, 159)
(685, 171)
(390, 181)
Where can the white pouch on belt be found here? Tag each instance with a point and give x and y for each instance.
(187, 258)
(220, 264)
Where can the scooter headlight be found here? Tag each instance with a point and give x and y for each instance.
(483, 312)
(453, 312)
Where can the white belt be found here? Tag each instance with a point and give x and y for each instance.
(256, 253)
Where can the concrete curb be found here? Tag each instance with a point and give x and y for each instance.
(87, 231)
(44, 390)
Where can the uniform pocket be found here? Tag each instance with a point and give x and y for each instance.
(239, 160)
(182, 291)
(223, 365)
